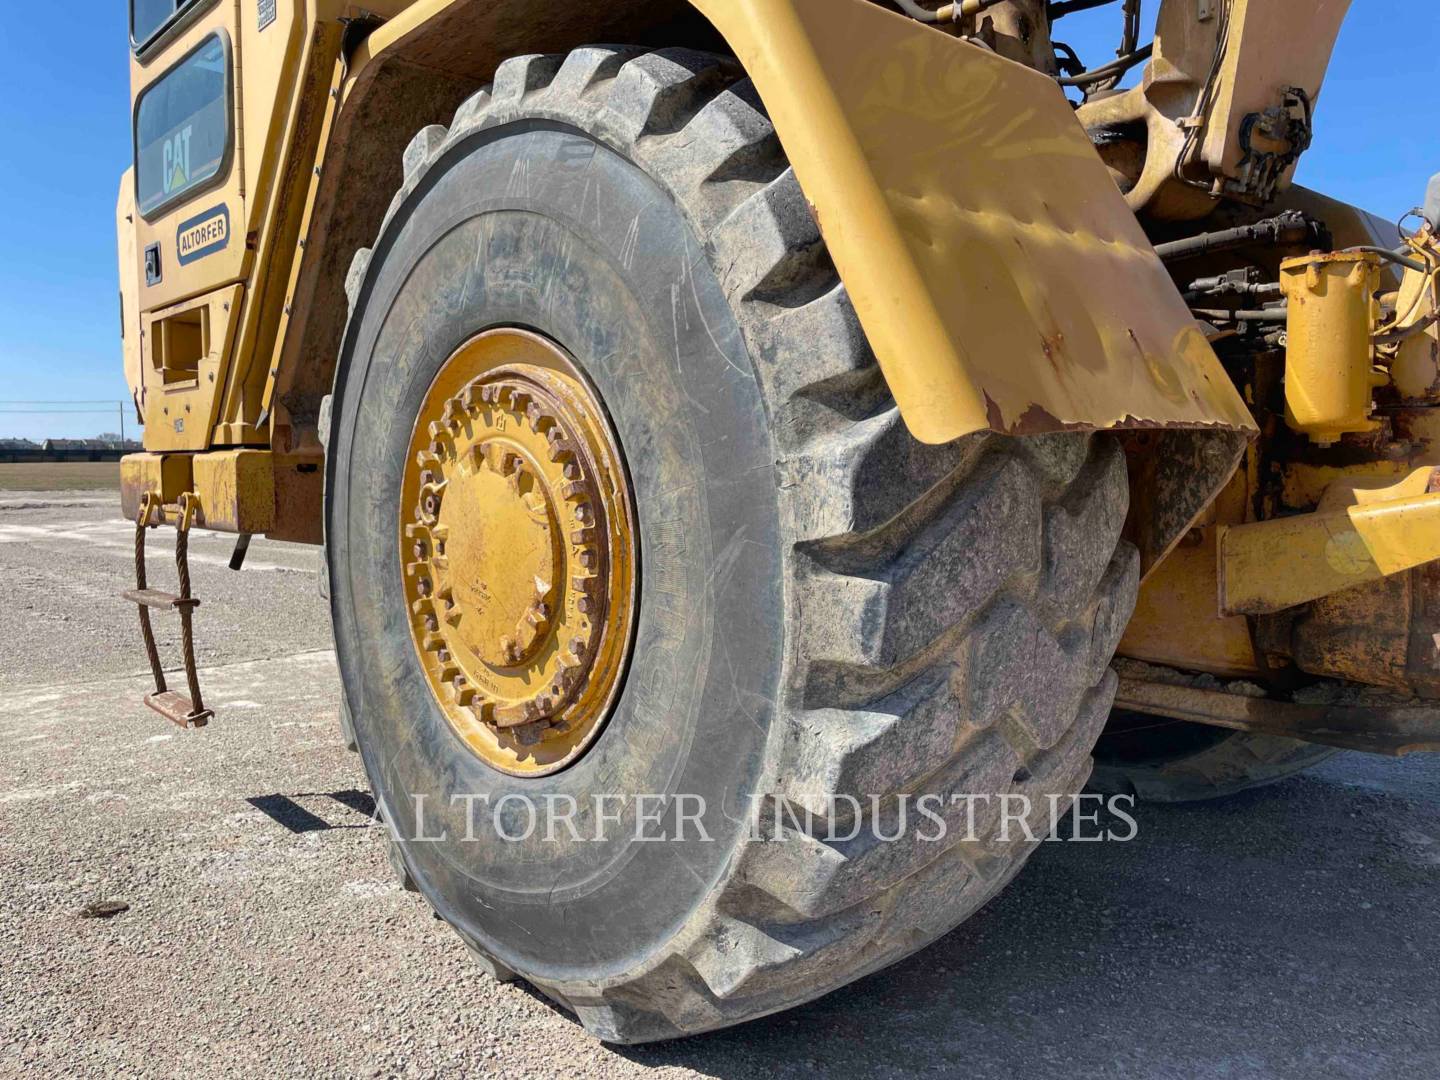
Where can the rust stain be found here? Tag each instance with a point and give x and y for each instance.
(993, 416)
(1053, 346)
(1037, 420)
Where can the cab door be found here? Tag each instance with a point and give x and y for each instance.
(189, 210)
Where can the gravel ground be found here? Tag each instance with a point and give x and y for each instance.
(1286, 933)
(66, 558)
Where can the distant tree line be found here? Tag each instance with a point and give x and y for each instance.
(104, 448)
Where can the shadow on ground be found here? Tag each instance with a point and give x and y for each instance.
(291, 811)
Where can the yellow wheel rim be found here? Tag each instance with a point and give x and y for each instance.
(517, 543)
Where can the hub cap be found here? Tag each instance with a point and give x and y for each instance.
(518, 551)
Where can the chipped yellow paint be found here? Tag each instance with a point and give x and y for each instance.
(237, 490)
(164, 476)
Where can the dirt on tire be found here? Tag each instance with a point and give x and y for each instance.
(943, 617)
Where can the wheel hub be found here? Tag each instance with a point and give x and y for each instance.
(518, 552)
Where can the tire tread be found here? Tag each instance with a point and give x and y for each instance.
(912, 668)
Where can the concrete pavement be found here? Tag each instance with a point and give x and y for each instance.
(1288, 932)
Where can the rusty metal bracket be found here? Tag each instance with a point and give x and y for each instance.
(184, 711)
(1390, 729)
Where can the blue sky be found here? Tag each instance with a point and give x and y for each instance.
(64, 115)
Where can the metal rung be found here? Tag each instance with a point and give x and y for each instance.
(184, 711)
(178, 709)
(156, 599)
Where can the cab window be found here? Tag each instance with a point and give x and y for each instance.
(182, 128)
(149, 17)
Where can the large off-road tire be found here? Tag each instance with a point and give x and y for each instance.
(1171, 761)
(826, 607)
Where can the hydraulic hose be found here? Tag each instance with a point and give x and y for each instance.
(1390, 256)
(1291, 227)
(925, 15)
(949, 13)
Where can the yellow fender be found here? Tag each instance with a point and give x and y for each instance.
(995, 267)
(998, 273)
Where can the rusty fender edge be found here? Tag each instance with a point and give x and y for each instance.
(995, 266)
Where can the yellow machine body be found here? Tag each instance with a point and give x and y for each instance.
(1323, 554)
(1330, 375)
(999, 271)
(1356, 536)
(986, 248)
(1217, 102)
